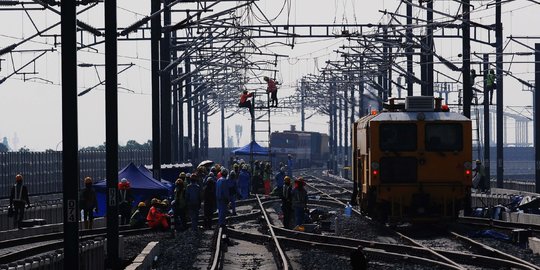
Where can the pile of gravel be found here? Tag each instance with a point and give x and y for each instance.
(321, 260)
(134, 244)
(361, 228)
(180, 252)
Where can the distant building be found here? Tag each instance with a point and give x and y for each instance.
(5, 142)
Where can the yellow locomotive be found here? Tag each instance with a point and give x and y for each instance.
(412, 162)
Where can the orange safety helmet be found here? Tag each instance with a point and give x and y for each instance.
(141, 204)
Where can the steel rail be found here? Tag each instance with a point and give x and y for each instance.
(218, 251)
(495, 252)
(381, 255)
(284, 260)
(499, 224)
(57, 244)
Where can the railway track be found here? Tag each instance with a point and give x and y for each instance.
(27, 247)
(483, 256)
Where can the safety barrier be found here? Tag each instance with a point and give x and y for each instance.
(92, 257)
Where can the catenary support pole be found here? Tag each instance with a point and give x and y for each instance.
(537, 115)
(165, 79)
(181, 148)
(155, 33)
(189, 102)
(487, 147)
(111, 132)
(409, 50)
(70, 152)
(429, 55)
(499, 66)
(466, 54)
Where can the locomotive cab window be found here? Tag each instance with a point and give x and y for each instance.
(397, 137)
(444, 137)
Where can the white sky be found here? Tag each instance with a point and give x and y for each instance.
(33, 110)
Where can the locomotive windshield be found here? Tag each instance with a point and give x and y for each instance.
(398, 137)
(444, 137)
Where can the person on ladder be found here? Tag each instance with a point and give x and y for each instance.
(271, 88)
(491, 85)
(245, 103)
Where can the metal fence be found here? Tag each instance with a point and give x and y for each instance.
(42, 171)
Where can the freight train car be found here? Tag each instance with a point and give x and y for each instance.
(412, 163)
(307, 148)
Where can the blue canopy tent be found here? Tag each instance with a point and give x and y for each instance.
(246, 149)
(143, 187)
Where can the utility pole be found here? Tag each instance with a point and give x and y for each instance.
(155, 33)
(536, 115)
(487, 148)
(466, 54)
(500, 103)
(223, 133)
(111, 132)
(165, 60)
(70, 132)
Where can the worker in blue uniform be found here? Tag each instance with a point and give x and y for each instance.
(290, 165)
(222, 196)
(243, 182)
(193, 200)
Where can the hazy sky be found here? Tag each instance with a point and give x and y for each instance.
(32, 109)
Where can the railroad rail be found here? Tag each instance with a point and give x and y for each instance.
(498, 224)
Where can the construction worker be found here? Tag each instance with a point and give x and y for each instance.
(193, 201)
(267, 175)
(358, 259)
(473, 81)
(209, 193)
(233, 189)
(243, 182)
(491, 84)
(480, 176)
(179, 205)
(156, 219)
(256, 178)
(222, 196)
(17, 200)
(182, 177)
(280, 177)
(138, 218)
(299, 201)
(290, 165)
(245, 103)
(272, 89)
(125, 200)
(88, 203)
(286, 202)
